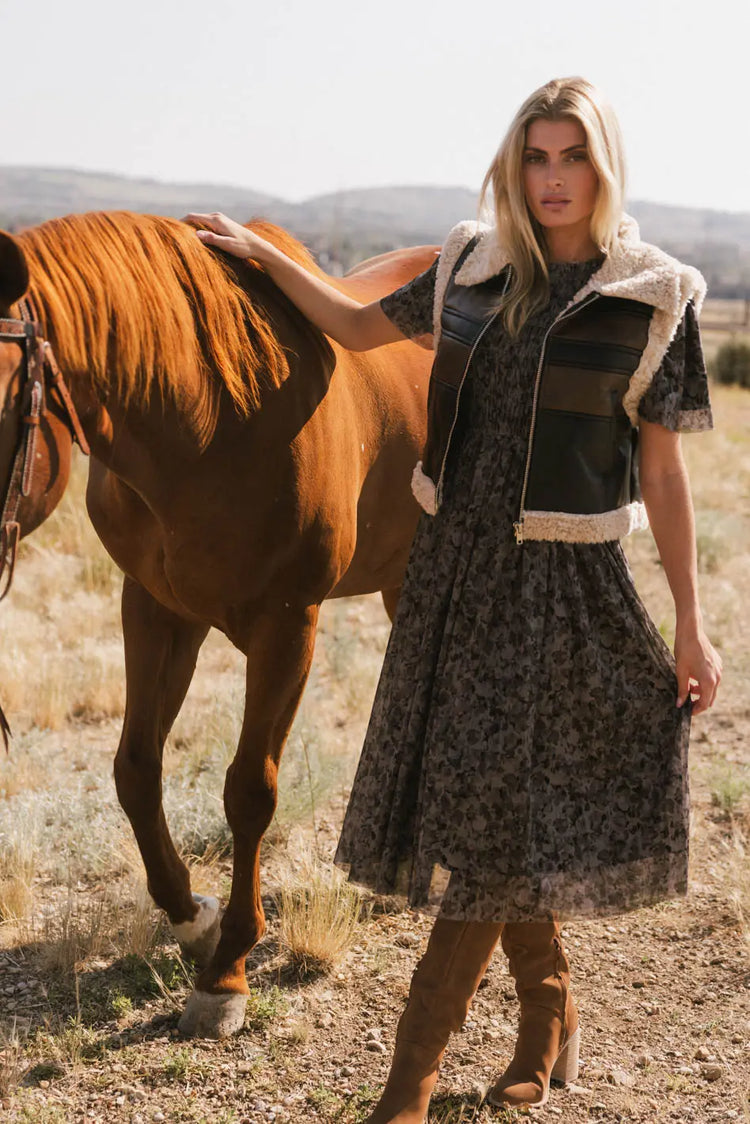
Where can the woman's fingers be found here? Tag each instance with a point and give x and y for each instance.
(698, 666)
(704, 684)
(198, 220)
(214, 221)
(222, 232)
(212, 239)
(683, 683)
(218, 224)
(699, 706)
(707, 688)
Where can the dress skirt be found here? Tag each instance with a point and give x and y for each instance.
(525, 757)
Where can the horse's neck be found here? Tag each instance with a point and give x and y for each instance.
(130, 436)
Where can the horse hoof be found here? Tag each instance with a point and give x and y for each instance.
(198, 938)
(213, 1016)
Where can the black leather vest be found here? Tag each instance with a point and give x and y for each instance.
(582, 453)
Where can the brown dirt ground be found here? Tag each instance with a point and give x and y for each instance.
(664, 993)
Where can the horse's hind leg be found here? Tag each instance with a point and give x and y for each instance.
(279, 651)
(160, 653)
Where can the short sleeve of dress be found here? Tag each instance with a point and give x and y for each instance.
(678, 395)
(410, 307)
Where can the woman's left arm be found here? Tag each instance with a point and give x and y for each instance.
(666, 493)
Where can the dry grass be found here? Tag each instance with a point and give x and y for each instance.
(141, 928)
(18, 864)
(320, 914)
(99, 689)
(165, 988)
(737, 876)
(116, 918)
(47, 693)
(13, 1062)
(112, 919)
(72, 1044)
(461, 1113)
(729, 788)
(60, 643)
(83, 927)
(18, 773)
(108, 923)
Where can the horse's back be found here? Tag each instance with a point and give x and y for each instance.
(368, 280)
(373, 278)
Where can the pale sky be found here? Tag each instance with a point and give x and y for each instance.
(300, 97)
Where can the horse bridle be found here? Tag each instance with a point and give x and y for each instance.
(40, 375)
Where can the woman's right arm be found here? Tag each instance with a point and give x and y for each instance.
(358, 327)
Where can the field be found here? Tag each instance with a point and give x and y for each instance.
(91, 984)
(723, 319)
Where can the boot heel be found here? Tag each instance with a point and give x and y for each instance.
(565, 1068)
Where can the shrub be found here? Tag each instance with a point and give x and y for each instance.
(732, 364)
(320, 914)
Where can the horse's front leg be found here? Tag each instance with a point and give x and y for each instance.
(279, 653)
(160, 653)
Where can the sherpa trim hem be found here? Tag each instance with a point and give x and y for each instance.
(424, 489)
(563, 526)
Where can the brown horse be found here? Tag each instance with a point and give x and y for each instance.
(243, 469)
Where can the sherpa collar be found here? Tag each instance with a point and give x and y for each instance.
(634, 269)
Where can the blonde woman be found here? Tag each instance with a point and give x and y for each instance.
(526, 758)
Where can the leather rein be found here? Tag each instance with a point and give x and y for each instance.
(40, 376)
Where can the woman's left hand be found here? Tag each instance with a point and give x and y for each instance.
(698, 669)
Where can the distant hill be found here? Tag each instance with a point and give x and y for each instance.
(347, 225)
(693, 225)
(31, 195)
(411, 214)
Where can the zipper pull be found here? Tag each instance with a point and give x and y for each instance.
(518, 528)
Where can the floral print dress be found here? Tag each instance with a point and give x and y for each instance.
(524, 756)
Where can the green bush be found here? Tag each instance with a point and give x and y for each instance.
(732, 364)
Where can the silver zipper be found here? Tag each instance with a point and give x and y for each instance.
(518, 526)
(439, 485)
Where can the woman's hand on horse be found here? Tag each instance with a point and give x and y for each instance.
(226, 234)
(355, 326)
(698, 669)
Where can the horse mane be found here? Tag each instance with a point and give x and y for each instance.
(138, 303)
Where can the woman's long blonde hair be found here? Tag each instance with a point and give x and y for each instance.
(520, 235)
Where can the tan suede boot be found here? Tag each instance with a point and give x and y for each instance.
(441, 991)
(548, 1033)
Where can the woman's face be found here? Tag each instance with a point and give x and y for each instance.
(559, 179)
